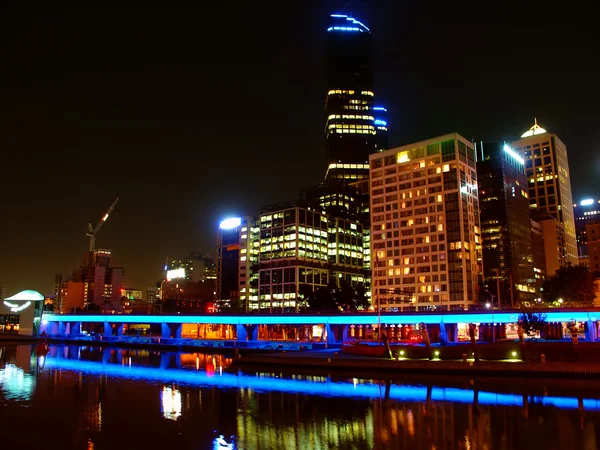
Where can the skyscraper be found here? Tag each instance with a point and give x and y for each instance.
(426, 241)
(505, 223)
(354, 128)
(547, 169)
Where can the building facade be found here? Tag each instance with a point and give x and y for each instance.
(293, 256)
(426, 237)
(587, 211)
(237, 264)
(102, 283)
(549, 181)
(593, 243)
(505, 224)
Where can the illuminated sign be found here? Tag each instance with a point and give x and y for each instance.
(380, 122)
(17, 308)
(230, 223)
(514, 154)
(175, 273)
(587, 202)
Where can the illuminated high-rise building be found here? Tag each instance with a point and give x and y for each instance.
(355, 127)
(505, 222)
(549, 180)
(237, 264)
(426, 241)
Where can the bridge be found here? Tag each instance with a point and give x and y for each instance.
(329, 327)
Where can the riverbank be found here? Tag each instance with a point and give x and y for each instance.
(334, 360)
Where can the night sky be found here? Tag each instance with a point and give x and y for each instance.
(192, 114)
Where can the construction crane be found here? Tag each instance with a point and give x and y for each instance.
(91, 232)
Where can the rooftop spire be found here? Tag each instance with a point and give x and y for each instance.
(535, 129)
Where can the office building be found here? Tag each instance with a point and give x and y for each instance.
(195, 268)
(102, 283)
(587, 211)
(549, 181)
(237, 264)
(355, 126)
(505, 224)
(293, 255)
(425, 239)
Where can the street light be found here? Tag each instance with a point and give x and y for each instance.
(488, 305)
(560, 300)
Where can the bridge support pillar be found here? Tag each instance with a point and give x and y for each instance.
(120, 329)
(330, 336)
(345, 332)
(107, 330)
(75, 328)
(62, 328)
(166, 331)
(443, 334)
(591, 333)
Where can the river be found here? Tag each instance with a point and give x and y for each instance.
(103, 398)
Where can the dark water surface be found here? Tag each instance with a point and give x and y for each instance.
(102, 398)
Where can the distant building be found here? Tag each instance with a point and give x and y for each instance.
(102, 282)
(547, 170)
(196, 268)
(426, 240)
(237, 264)
(587, 211)
(554, 243)
(505, 223)
(593, 244)
(71, 297)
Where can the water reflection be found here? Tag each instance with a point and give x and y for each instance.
(94, 398)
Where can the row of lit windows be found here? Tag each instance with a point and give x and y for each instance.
(350, 116)
(351, 126)
(349, 92)
(347, 166)
(350, 254)
(352, 131)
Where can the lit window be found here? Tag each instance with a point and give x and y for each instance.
(446, 168)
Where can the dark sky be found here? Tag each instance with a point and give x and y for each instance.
(190, 114)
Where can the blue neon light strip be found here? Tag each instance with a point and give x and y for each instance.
(379, 108)
(345, 319)
(380, 122)
(350, 19)
(397, 392)
(343, 29)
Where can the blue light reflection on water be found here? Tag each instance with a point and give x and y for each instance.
(330, 389)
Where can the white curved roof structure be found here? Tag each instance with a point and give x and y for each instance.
(27, 296)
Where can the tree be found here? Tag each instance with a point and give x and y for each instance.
(532, 322)
(360, 300)
(570, 286)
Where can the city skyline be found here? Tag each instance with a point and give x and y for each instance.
(119, 119)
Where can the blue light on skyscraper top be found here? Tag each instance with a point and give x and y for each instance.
(380, 122)
(379, 108)
(351, 20)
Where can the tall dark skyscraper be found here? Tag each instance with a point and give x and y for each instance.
(355, 125)
(505, 224)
